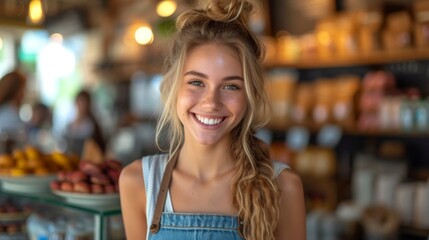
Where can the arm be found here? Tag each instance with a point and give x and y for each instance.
(292, 208)
(133, 201)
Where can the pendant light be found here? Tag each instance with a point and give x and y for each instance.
(36, 14)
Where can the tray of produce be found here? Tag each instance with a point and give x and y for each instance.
(92, 184)
(27, 184)
(28, 170)
(89, 199)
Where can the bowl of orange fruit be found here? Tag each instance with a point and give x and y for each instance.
(29, 170)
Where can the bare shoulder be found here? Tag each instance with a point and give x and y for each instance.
(132, 174)
(292, 207)
(290, 182)
(133, 200)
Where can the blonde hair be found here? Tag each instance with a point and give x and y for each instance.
(256, 192)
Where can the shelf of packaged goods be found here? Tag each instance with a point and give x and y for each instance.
(374, 58)
(100, 213)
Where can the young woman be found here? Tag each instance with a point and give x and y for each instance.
(217, 180)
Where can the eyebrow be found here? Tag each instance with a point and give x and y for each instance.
(202, 75)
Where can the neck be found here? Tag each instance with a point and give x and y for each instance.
(204, 162)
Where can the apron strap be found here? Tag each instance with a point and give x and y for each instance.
(162, 195)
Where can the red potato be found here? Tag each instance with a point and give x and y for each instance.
(110, 188)
(77, 176)
(55, 185)
(97, 189)
(101, 179)
(103, 166)
(68, 177)
(113, 164)
(89, 168)
(62, 176)
(82, 187)
(67, 186)
(114, 175)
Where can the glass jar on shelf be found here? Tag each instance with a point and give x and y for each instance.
(422, 115)
(407, 110)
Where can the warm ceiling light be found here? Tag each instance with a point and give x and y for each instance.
(166, 8)
(144, 35)
(35, 12)
(1, 43)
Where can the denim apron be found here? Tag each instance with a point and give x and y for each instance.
(187, 226)
(174, 226)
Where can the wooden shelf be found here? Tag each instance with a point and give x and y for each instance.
(376, 58)
(18, 23)
(386, 133)
(415, 231)
(115, 71)
(357, 133)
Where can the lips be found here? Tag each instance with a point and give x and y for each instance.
(209, 121)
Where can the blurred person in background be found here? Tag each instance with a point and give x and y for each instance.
(12, 128)
(40, 124)
(41, 117)
(12, 92)
(84, 126)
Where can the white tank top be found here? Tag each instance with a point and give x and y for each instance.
(153, 170)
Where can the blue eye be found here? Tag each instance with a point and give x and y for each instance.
(232, 87)
(196, 83)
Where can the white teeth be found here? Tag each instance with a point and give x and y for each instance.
(208, 121)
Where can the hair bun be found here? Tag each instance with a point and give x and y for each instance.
(228, 10)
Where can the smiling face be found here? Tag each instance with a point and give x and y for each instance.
(211, 99)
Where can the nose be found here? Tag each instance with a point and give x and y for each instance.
(212, 100)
